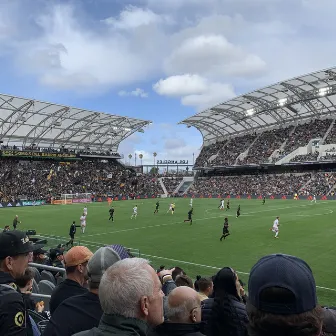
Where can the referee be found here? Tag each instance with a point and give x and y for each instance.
(72, 233)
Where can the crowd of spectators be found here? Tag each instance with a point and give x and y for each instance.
(207, 152)
(305, 132)
(171, 183)
(109, 292)
(266, 144)
(229, 153)
(35, 180)
(320, 184)
(266, 184)
(305, 158)
(331, 137)
(63, 150)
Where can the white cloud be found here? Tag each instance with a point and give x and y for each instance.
(133, 17)
(214, 56)
(194, 90)
(181, 85)
(135, 93)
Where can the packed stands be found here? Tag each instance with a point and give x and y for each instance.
(266, 144)
(305, 158)
(320, 184)
(171, 183)
(306, 132)
(44, 179)
(265, 184)
(207, 152)
(229, 153)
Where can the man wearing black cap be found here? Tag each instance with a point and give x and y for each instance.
(14, 255)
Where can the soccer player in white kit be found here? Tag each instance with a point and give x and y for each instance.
(314, 199)
(83, 222)
(221, 206)
(170, 207)
(135, 212)
(275, 227)
(191, 202)
(85, 211)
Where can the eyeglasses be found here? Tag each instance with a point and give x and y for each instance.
(191, 311)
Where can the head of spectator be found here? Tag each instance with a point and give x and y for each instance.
(177, 271)
(183, 306)
(25, 282)
(40, 256)
(184, 280)
(282, 298)
(205, 288)
(130, 294)
(76, 261)
(228, 314)
(7, 228)
(196, 282)
(101, 260)
(15, 249)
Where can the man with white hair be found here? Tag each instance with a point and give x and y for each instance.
(131, 298)
(183, 310)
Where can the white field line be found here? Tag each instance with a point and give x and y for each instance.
(96, 244)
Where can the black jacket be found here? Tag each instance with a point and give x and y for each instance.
(12, 309)
(63, 291)
(177, 329)
(75, 314)
(227, 317)
(117, 325)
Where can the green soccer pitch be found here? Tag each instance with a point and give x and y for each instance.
(307, 230)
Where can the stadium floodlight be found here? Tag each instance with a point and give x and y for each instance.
(250, 112)
(324, 91)
(282, 102)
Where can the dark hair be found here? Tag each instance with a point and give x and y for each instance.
(23, 280)
(225, 319)
(177, 271)
(70, 269)
(184, 280)
(263, 323)
(204, 284)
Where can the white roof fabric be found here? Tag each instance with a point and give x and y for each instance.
(26, 122)
(309, 96)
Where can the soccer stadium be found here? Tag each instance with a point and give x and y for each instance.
(267, 165)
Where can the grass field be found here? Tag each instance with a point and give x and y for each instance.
(307, 230)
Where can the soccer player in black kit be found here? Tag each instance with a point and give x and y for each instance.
(190, 212)
(264, 200)
(111, 212)
(238, 211)
(72, 233)
(228, 205)
(225, 229)
(157, 205)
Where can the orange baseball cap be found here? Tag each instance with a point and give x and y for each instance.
(77, 255)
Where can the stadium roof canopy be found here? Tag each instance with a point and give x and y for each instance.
(305, 97)
(26, 122)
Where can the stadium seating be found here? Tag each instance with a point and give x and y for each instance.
(171, 183)
(261, 147)
(43, 179)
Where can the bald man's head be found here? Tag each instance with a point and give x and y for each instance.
(183, 306)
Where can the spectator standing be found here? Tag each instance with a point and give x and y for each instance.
(226, 313)
(76, 260)
(131, 298)
(84, 311)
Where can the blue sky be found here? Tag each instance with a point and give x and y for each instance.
(161, 60)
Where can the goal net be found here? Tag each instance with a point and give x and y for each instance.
(76, 198)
